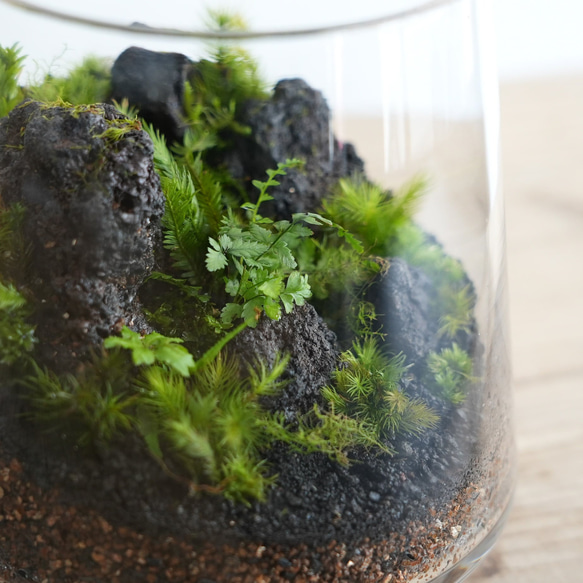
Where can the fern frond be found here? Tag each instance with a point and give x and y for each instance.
(209, 195)
(183, 223)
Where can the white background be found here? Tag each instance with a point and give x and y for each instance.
(534, 37)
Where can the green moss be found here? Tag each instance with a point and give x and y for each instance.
(11, 94)
(366, 387)
(373, 214)
(16, 335)
(86, 84)
(451, 373)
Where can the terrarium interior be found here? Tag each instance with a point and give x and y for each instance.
(241, 311)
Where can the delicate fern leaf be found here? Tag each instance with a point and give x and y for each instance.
(152, 348)
(215, 258)
(272, 287)
(252, 311)
(272, 308)
(297, 290)
(209, 194)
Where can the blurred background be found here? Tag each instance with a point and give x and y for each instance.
(540, 63)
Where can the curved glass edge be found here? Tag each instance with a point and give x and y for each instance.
(463, 568)
(143, 29)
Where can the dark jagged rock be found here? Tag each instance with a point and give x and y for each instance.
(93, 210)
(403, 297)
(294, 123)
(311, 346)
(154, 83)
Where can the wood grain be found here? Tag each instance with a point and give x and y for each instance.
(542, 144)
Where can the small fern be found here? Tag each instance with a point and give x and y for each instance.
(153, 347)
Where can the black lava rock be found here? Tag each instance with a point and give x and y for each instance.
(154, 83)
(403, 297)
(293, 123)
(311, 345)
(93, 210)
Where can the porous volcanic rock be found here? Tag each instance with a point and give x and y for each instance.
(93, 209)
(293, 123)
(405, 300)
(154, 83)
(403, 296)
(311, 346)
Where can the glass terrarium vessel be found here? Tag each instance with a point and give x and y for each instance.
(252, 292)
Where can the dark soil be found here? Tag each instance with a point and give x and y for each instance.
(68, 517)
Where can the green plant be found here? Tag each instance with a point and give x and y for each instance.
(210, 423)
(11, 94)
(330, 433)
(373, 214)
(457, 311)
(451, 372)
(207, 423)
(366, 387)
(14, 249)
(194, 208)
(153, 347)
(16, 335)
(86, 84)
(120, 128)
(261, 267)
(333, 266)
(95, 403)
(202, 416)
(412, 244)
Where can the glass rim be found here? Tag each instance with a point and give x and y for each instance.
(143, 29)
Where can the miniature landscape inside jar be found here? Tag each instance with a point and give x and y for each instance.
(216, 327)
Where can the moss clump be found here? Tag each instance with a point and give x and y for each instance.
(366, 387)
(11, 94)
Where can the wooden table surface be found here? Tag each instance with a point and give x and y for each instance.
(542, 145)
